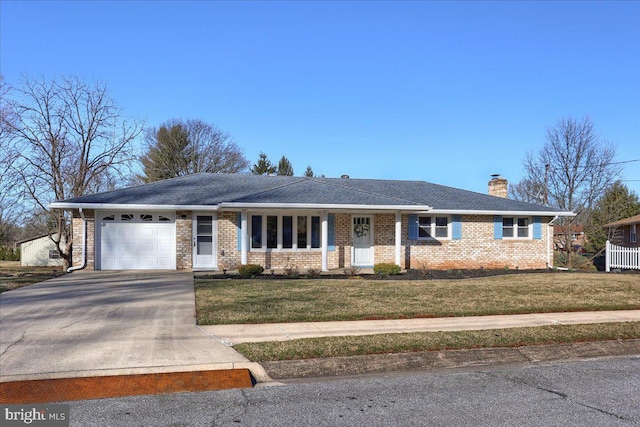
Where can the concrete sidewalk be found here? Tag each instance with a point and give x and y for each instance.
(236, 334)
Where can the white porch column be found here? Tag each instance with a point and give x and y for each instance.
(324, 242)
(399, 239)
(607, 256)
(243, 237)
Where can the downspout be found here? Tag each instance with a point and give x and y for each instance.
(84, 245)
(549, 238)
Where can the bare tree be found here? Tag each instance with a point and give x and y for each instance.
(72, 142)
(527, 191)
(9, 192)
(572, 170)
(214, 150)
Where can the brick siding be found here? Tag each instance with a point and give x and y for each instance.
(76, 236)
(476, 249)
(184, 231)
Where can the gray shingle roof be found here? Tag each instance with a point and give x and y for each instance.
(207, 189)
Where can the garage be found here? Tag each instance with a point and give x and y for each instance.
(136, 241)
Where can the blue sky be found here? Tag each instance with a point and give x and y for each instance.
(447, 92)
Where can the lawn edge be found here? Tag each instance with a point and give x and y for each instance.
(448, 359)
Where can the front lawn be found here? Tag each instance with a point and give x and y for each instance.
(436, 341)
(13, 276)
(229, 301)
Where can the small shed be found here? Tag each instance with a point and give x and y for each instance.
(39, 251)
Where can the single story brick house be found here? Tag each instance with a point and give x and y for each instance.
(220, 221)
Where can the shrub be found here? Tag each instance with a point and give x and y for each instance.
(9, 254)
(386, 269)
(351, 271)
(578, 261)
(292, 272)
(250, 270)
(314, 272)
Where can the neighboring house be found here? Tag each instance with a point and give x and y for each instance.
(220, 221)
(625, 232)
(623, 251)
(561, 233)
(39, 251)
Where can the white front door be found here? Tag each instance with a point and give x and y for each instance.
(362, 241)
(204, 242)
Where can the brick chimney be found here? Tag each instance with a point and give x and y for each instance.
(499, 187)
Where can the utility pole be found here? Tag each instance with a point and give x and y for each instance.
(546, 185)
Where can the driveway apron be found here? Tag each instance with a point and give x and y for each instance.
(103, 323)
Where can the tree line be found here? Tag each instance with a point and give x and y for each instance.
(575, 170)
(66, 137)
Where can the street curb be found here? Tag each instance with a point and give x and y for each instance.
(100, 387)
(449, 359)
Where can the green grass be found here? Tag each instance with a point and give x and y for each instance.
(220, 301)
(436, 341)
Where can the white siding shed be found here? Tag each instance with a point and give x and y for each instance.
(39, 251)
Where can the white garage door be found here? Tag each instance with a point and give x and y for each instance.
(137, 241)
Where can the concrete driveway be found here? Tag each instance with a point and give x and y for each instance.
(107, 323)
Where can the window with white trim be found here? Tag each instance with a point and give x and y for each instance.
(516, 227)
(434, 227)
(287, 232)
(633, 235)
(54, 254)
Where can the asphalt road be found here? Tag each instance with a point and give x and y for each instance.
(604, 392)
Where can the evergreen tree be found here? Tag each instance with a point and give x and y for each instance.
(309, 172)
(284, 167)
(168, 153)
(263, 166)
(618, 202)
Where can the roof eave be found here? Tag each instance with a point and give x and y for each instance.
(130, 206)
(332, 206)
(321, 206)
(502, 212)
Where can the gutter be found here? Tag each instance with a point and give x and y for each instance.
(504, 213)
(549, 238)
(84, 245)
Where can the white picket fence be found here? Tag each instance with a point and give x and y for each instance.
(620, 257)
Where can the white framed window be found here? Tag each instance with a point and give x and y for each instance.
(285, 232)
(633, 235)
(136, 217)
(516, 227)
(434, 227)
